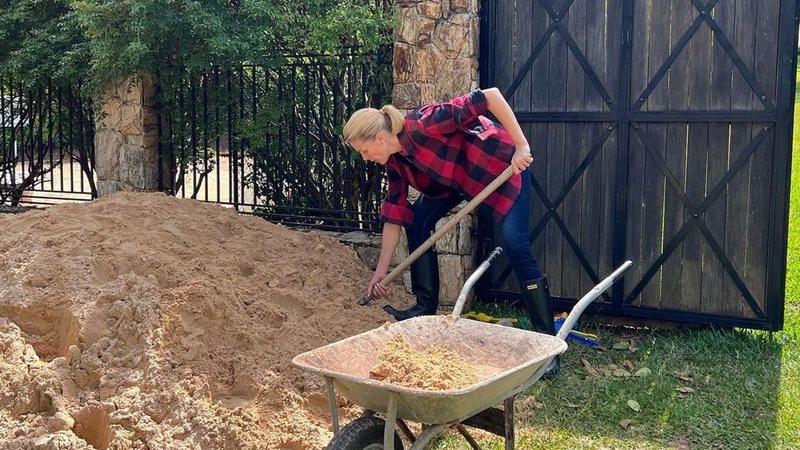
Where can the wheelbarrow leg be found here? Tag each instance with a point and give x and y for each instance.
(509, 415)
(406, 431)
(332, 404)
(391, 418)
(472, 442)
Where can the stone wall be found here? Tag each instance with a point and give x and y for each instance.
(126, 140)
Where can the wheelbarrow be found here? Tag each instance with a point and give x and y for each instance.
(507, 360)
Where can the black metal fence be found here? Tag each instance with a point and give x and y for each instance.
(46, 144)
(266, 140)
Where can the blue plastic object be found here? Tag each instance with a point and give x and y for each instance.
(584, 338)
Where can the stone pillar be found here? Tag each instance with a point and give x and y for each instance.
(126, 151)
(436, 59)
(435, 51)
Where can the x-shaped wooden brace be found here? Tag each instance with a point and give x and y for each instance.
(557, 24)
(696, 212)
(704, 15)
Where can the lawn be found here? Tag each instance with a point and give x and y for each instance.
(706, 389)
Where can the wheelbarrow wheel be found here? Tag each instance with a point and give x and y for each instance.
(365, 433)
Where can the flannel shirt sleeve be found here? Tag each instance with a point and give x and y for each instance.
(460, 113)
(395, 207)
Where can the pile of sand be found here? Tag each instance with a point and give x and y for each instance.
(145, 321)
(433, 368)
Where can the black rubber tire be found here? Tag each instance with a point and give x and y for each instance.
(362, 433)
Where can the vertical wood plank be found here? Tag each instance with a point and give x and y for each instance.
(557, 101)
(738, 200)
(540, 81)
(574, 148)
(675, 156)
(613, 38)
(504, 45)
(653, 198)
(571, 267)
(695, 246)
(613, 32)
(761, 169)
(591, 213)
(594, 52)
(719, 158)
(592, 241)
(641, 46)
(744, 42)
(636, 161)
(523, 35)
(714, 218)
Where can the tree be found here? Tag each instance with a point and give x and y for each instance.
(105, 40)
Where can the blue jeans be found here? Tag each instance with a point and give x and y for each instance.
(514, 228)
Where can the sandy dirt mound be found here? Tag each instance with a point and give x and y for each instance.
(145, 321)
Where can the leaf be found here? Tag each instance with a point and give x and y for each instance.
(619, 346)
(682, 377)
(643, 372)
(628, 364)
(572, 405)
(684, 390)
(621, 373)
(633, 349)
(338, 130)
(624, 423)
(589, 368)
(600, 348)
(634, 405)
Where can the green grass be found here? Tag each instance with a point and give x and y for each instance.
(746, 383)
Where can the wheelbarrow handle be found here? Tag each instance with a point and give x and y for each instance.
(462, 296)
(472, 204)
(590, 296)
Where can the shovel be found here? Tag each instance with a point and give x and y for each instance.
(472, 204)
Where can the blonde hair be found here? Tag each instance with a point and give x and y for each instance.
(365, 123)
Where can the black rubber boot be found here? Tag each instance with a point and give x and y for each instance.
(536, 295)
(425, 285)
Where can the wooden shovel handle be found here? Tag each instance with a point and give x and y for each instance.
(471, 205)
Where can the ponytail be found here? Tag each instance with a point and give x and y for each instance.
(365, 123)
(394, 119)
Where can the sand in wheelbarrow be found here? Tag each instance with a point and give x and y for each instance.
(145, 321)
(433, 368)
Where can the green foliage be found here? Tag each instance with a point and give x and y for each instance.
(103, 40)
(40, 38)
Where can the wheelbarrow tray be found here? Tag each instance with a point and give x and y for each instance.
(505, 359)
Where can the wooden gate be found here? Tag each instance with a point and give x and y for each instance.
(661, 133)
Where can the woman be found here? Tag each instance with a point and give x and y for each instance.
(449, 152)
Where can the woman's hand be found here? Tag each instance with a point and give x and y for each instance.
(375, 288)
(522, 158)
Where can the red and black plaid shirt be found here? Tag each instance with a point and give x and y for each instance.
(449, 149)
